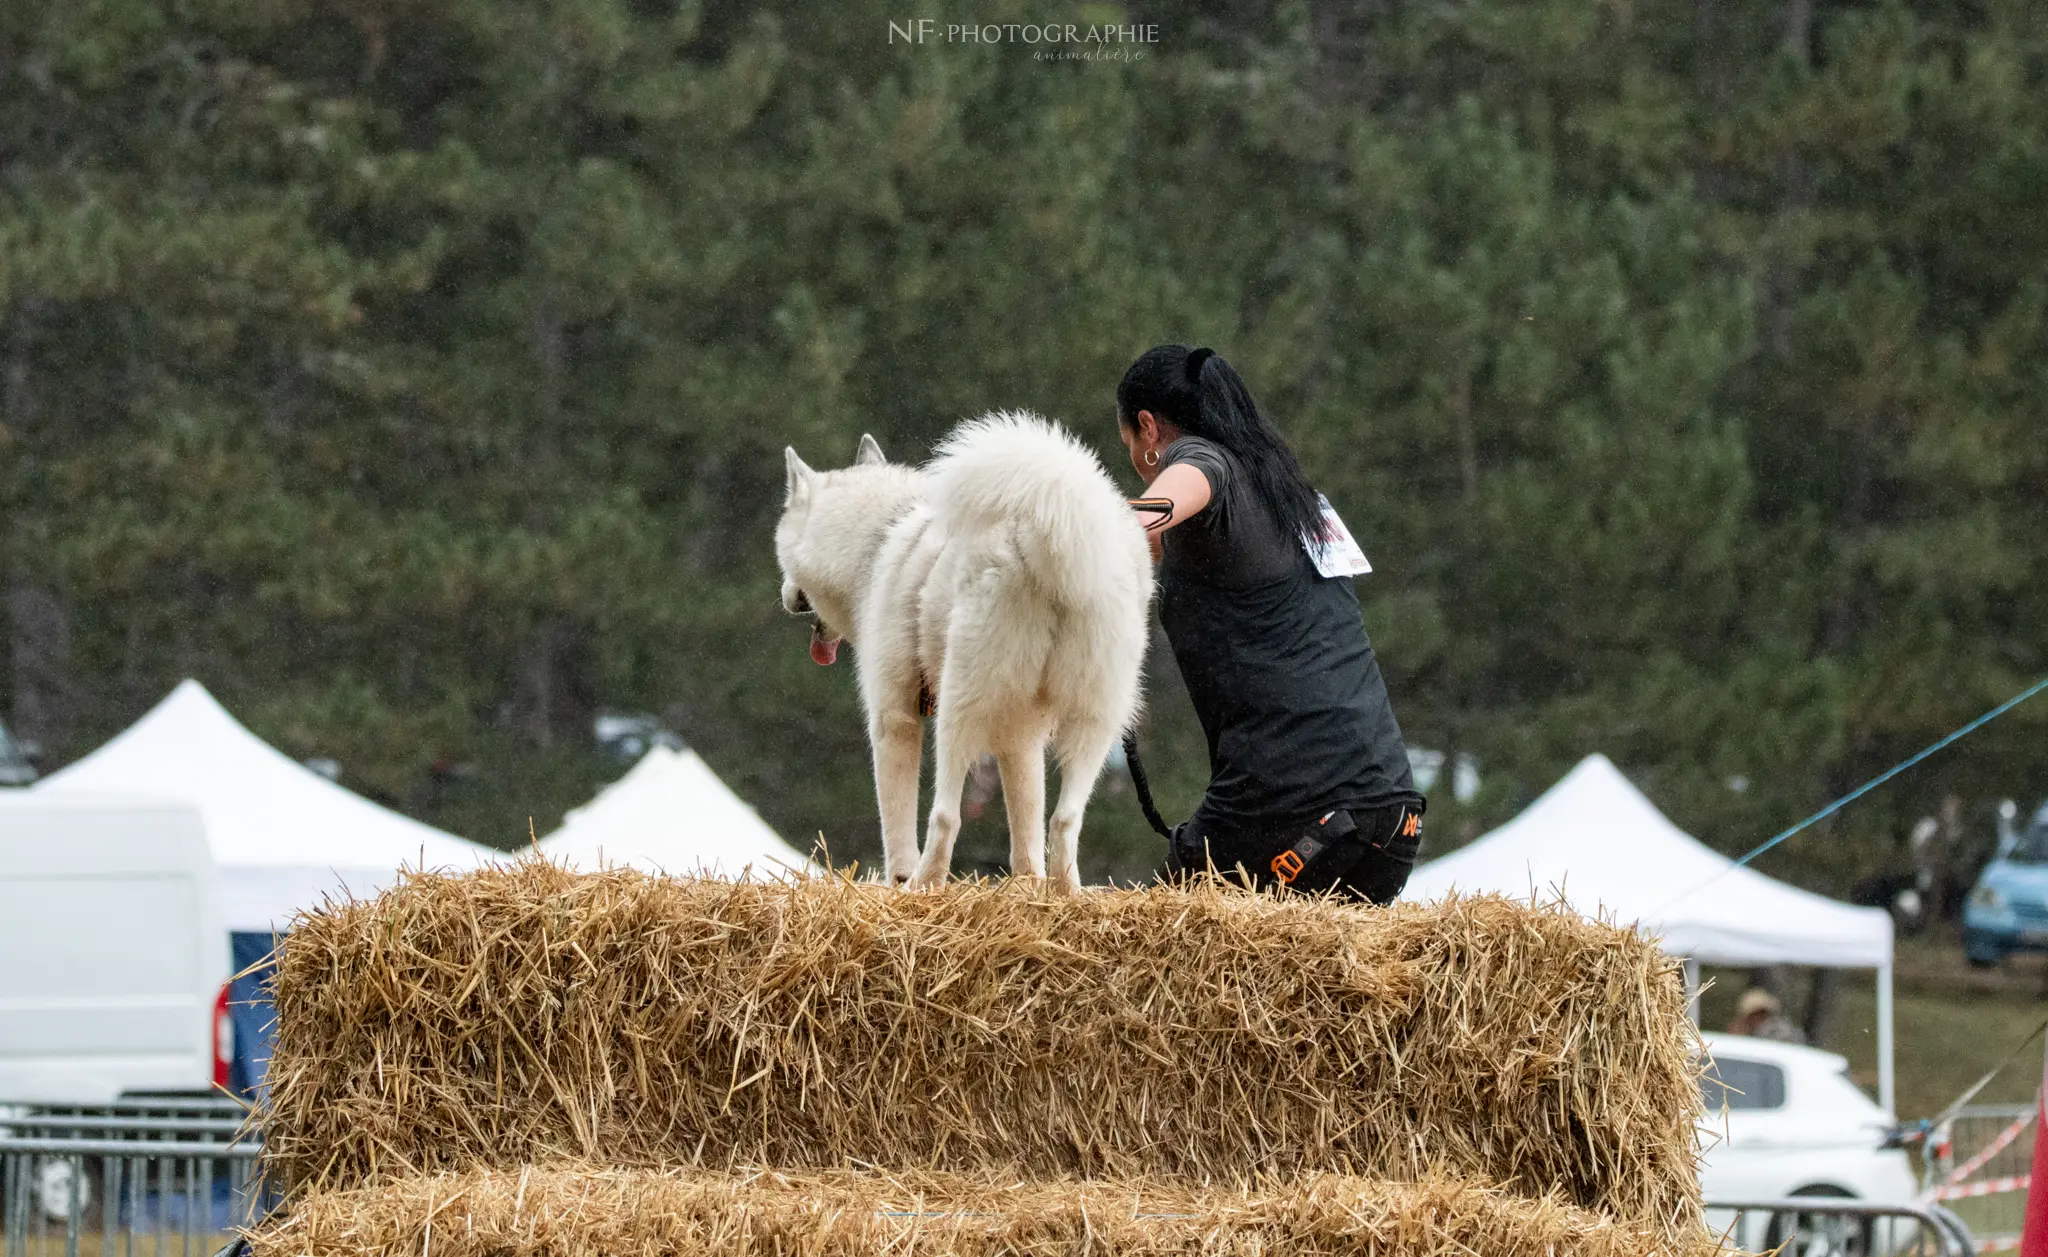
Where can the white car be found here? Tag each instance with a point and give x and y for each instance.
(1784, 1120)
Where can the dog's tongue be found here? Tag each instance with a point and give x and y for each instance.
(824, 649)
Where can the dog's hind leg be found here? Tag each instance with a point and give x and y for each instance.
(898, 738)
(1023, 770)
(951, 759)
(1082, 755)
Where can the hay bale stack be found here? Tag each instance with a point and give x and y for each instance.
(597, 1213)
(528, 1015)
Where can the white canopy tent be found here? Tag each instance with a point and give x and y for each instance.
(1596, 840)
(670, 814)
(283, 837)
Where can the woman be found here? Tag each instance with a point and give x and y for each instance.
(1308, 776)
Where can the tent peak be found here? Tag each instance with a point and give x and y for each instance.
(1619, 853)
(190, 690)
(281, 834)
(189, 694)
(1595, 779)
(669, 813)
(1595, 765)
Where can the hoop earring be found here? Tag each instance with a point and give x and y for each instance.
(1151, 458)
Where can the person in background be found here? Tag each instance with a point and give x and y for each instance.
(1759, 1016)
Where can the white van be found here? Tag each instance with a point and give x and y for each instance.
(113, 959)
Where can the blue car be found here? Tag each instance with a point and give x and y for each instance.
(2008, 908)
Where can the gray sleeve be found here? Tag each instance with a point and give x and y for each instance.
(1209, 459)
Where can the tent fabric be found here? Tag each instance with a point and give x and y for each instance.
(670, 814)
(283, 837)
(1595, 838)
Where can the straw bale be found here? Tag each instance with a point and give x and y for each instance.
(526, 1014)
(565, 1212)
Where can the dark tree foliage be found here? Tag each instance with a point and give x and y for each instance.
(416, 375)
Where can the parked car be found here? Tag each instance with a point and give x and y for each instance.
(2008, 907)
(625, 738)
(113, 960)
(1785, 1120)
(114, 969)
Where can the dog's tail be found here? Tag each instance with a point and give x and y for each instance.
(1014, 474)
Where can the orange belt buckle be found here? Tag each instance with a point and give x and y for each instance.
(1287, 866)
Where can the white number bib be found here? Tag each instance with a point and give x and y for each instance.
(1336, 553)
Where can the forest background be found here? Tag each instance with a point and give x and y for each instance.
(415, 373)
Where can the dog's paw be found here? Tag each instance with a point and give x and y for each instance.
(926, 879)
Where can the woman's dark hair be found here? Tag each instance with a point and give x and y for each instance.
(1198, 392)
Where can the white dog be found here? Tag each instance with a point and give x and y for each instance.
(1005, 588)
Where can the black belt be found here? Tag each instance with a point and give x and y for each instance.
(1316, 854)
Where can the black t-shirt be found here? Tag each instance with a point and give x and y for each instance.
(1277, 663)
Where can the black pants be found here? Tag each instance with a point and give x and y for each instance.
(1363, 854)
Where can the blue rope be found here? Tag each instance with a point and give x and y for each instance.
(1875, 782)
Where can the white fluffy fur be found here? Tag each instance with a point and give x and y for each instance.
(1011, 576)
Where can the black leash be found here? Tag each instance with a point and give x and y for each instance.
(1143, 786)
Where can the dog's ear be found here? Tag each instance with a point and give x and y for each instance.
(870, 451)
(798, 484)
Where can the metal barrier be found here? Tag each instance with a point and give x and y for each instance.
(1979, 1165)
(148, 1177)
(1833, 1226)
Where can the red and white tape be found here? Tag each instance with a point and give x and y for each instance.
(1998, 1244)
(1989, 1187)
(1992, 1149)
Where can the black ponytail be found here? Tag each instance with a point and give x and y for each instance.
(1202, 395)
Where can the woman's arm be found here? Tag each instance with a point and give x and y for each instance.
(1175, 496)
